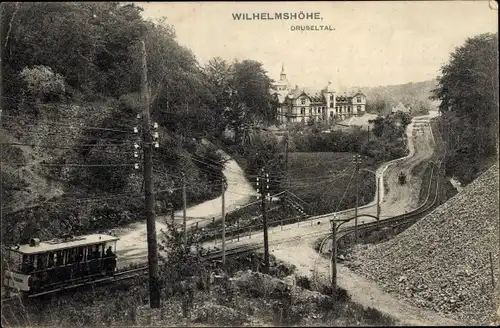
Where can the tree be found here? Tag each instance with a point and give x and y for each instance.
(468, 90)
(87, 43)
(219, 75)
(42, 83)
(253, 96)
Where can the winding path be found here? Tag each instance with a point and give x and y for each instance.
(293, 242)
(133, 239)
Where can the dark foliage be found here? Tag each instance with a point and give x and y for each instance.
(468, 91)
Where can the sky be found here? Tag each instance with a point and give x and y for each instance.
(373, 42)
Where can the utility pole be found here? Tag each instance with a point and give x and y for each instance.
(264, 188)
(378, 182)
(334, 254)
(357, 161)
(184, 206)
(172, 214)
(154, 290)
(286, 160)
(223, 184)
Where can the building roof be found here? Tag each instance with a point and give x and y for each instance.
(351, 93)
(328, 88)
(59, 244)
(314, 95)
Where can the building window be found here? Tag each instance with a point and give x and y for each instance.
(359, 108)
(310, 111)
(331, 114)
(336, 109)
(331, 105)
(331, 97)
(302, 110)
(358, 99)
(349, 109)
(302, 101)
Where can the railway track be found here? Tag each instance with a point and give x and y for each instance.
(397, 221)
(394, 222)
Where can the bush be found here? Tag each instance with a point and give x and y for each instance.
(304, 282)
(42, 84)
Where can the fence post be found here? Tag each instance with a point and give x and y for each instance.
(491, 268)
(250, 233)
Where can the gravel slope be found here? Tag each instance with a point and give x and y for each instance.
(443, 261)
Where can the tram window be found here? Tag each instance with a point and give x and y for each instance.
(80, 254)
(51, 259)
(59, 258)
(71, 256)
(90, 253)
(41, 260)
(102, 250)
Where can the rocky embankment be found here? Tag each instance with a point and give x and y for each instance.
(443, 262)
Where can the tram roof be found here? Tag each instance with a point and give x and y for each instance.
(60, 243)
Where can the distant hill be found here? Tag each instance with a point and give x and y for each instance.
(416, 95)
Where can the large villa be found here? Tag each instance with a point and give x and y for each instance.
(304, 105)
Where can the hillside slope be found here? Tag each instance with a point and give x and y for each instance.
(381, 99)
(67, 167)
(443, 261)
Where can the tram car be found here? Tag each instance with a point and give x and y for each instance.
(41, 267)
(402, 178)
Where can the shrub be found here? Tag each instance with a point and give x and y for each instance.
(326, 303)
(304, 282)
(42, 84)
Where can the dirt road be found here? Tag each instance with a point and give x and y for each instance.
(132, 246)
(362, 290)
(399, 199)
(292, 243)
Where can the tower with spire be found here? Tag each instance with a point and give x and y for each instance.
(297, 105)
(282, 85)
(283, 75)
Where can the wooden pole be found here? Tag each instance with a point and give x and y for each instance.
(378, 182)
(334, 255)
(264, 185)
(491, 269)
(184, 207)
(356, 163)
(286, 161)
(154, 291)
(223, 224)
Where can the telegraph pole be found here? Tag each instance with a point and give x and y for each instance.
(154, 290)
(184, 206)
(223, 184)
(264, 188)
(378, 182)
(334, 254)
(286, 161)
(357, 161)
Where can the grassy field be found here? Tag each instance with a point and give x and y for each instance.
(323, 181)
